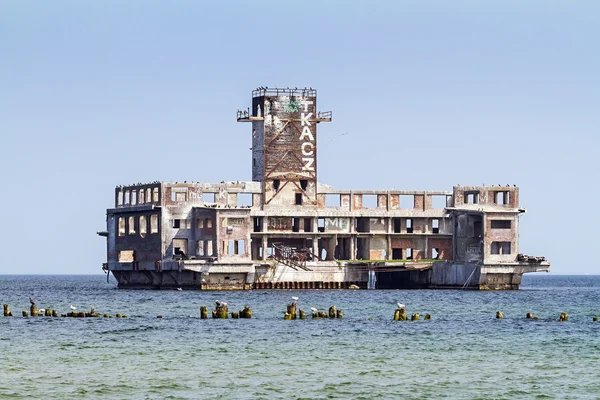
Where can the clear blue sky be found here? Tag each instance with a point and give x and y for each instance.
(430, 93)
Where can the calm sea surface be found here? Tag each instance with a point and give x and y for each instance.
(463, 352)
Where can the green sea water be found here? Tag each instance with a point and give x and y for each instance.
(464, 352)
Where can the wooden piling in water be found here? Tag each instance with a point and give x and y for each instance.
(301, 314)
(203, 312)
(7, 312)
(33, 310)
(235, 315)
(332, 310)
(47, 312)
(563, 317)
(427, 316)
(595, 319)
(400, 314)
(246, 312)
(221, 311)
(499, 314)
(287, 316)
(339, 314)
(415, 317)
(529, 315)
(118, 315)
(54, 313)
(25, 314)
(291, 309)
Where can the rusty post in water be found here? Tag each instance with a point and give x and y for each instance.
(203, 312)
(499, 314)
(7, 312)
(33, 310)
(291, 309)
(301, 314)
(54, 313)
(47, 312)
(415, 317)
(25, 314)
(339, 314)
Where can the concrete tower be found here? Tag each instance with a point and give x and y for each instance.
(284, 144)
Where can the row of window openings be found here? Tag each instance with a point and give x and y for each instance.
(142, 224)
(243, 199)
(500, 197)
(201, 223)
(410, 254)
(133, 197)
(204, 248)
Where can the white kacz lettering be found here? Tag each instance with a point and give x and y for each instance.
(306, 103)
(309, 152)
(307, 134)
(308, 164)
(304, 119)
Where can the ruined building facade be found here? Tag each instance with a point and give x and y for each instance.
(284, 229)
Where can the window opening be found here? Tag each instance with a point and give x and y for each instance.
(131, 225)
(435, 225)
(143, 226)
(409, 225)
(154, 223)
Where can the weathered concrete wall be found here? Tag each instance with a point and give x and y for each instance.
(455, 275)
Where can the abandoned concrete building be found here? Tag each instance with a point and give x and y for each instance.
(285, 230)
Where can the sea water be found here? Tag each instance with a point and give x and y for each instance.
(463, 352)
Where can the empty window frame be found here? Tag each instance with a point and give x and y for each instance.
(154, 223)
(127, 198)
(438, 202)
(244, 199)
(276, 185)
(501, 224)
(209, 248)
(298, 199)
(149, 195)
(208, 223)
(133, 197)
(369, 201)
(435, 225)
(121, 226)
(179, 194)
(200, 223)
(155, 195)
(500, 248)
(435, 253)
(176, 223)
(257, 226)
(333, 200)
(295, 224)
(208, 197)
(409, 226)
(303, 184)
(307, 224)
(142, 196)
(321, 224)
(407, 201)
(131, 223)
(397, 225)
(200, 248)
(502, 197)
(471, 197)
(120, 198)
(409, 253)
(143, 225)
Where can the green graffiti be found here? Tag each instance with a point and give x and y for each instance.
(291, 106)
